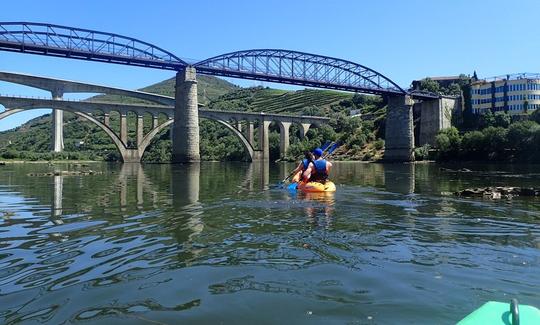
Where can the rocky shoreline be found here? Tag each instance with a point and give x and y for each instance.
(67, 173)
(499, 192)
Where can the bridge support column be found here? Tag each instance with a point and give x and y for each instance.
(57, 125)
(239, 126)
(249, 133)
(399, 135)
(284, 138)
(185, 146)
(140, 130)
(107, 119)
(435, 115)
(264, 144)
(155, 121)
(131, 156)
(123, 128)
(304, 128)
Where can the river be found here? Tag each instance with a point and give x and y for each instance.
(220, 243)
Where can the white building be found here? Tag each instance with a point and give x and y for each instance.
(515, 94)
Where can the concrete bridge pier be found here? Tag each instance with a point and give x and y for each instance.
(399, 137)
(57, 124)
(249, 133)
(123, 128)
(304, 128)
(185, 130)
(284, 138)
(131, 156)
(140, 130)
(264, 144)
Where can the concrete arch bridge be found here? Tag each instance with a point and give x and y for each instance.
(242, 124)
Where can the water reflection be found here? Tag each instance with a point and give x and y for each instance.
(320, 212)
(58, 184)
(153, 241)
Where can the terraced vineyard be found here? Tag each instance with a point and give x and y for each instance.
(280, 101)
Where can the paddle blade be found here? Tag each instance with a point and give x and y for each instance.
(333, 148)
(326, 145)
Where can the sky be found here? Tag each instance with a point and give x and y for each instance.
(404, 40)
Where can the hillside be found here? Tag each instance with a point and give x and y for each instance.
(258, 99)
(208, 89)
(84, 140)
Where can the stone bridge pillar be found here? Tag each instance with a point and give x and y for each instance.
(107, 119)
(284, 138)
(264, 144)
(185, 146)
(399, 136)
(435, 115)
(57, 124)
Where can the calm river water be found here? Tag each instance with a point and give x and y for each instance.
(218, 243)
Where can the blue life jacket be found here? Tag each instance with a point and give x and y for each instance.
(320, 171)
(305, 164)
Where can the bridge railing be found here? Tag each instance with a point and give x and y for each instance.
(85, 44)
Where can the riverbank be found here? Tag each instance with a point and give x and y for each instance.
(7, 161)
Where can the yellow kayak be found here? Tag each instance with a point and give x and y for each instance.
(314, 187)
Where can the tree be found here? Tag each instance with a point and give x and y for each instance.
(472, 143)
(430, 85)
(520, 135)
(448, 141)
(535, 116)
(495, 141)
(502, 119)
(487, 119)
(453, 89)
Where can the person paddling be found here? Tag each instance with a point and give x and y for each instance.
(318, 169)
(302, 167)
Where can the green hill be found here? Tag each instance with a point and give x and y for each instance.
(208, 89)
(83, 140)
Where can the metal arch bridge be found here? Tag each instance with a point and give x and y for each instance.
(280, 66)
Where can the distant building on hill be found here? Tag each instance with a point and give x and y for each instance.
(515, 94)
(443, 81)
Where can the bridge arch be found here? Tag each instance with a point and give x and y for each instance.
(147, 139)
(116, 140)
(299, 68)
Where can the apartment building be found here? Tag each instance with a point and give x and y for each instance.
(515, 94)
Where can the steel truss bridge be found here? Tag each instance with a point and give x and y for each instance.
(272, 65)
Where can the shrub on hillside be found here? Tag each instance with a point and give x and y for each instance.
(520, 134)
(495, 141)
(448, 141)
(472, 144)
(422, 153)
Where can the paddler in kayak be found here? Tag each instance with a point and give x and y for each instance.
(318, 169)
(302, 167)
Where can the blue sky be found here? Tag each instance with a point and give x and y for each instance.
(404, 40)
